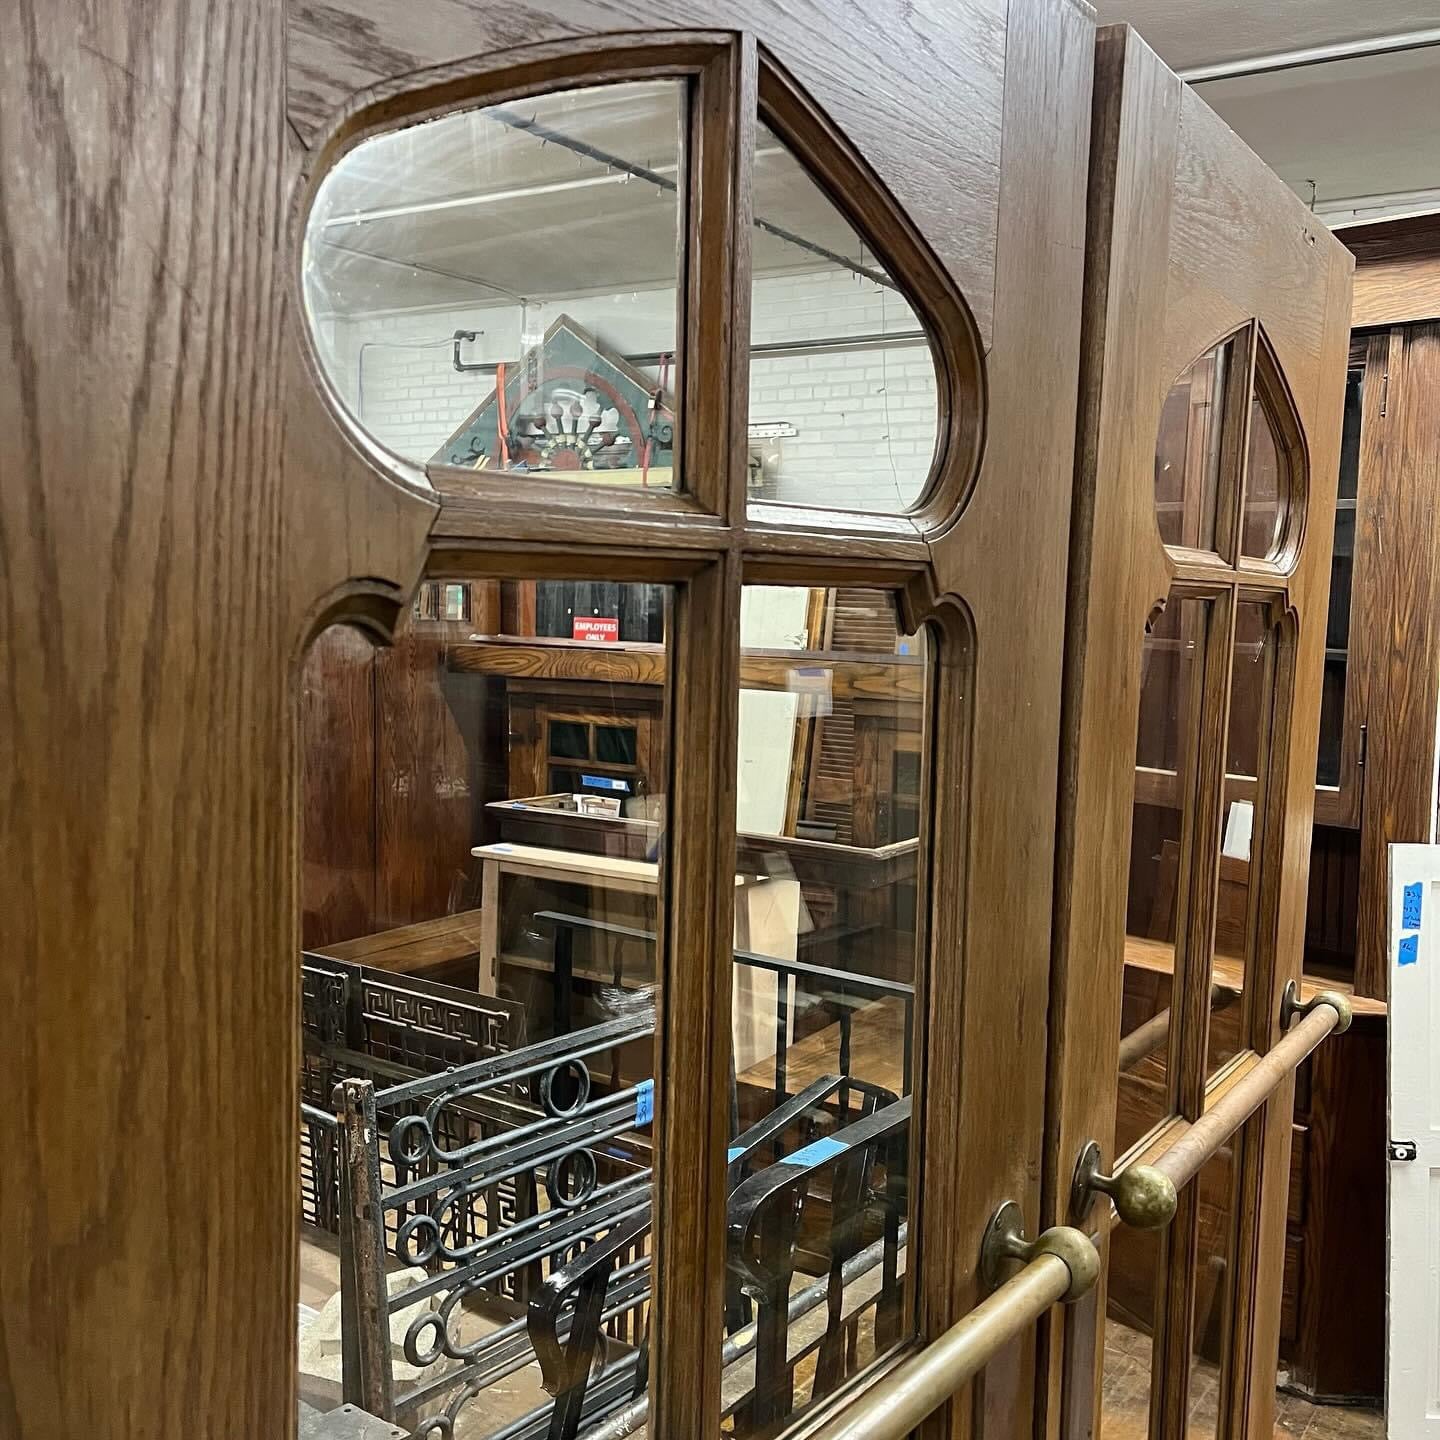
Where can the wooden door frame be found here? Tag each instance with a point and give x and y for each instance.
(1190, 237)
(227, 512)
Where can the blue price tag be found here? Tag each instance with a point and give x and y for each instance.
(645, 1102)
(1409, 949)
(605, 782)
(1410, 906)
(817, 1152)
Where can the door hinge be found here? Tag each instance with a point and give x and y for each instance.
(1364, 743)
(1403, 1150)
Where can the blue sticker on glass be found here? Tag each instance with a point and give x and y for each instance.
(605, 782)
(644, 1102)
(1410, 906)
(817, 1152)
(1409, 949)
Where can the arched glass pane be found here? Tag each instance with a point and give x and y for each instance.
(828, 886)
(843, 405)
(1265, 485)
(1172, 673)
(483, 861)
(1187, 450)
(497, 289)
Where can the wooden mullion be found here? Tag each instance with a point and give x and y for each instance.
(697, 885)
(1235, 445)
(714, 379)
(693, 1024)
(1175, 1319)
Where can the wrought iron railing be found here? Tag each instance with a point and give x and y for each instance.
(517, 1179)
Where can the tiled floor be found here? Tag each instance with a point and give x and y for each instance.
(1125, 1400)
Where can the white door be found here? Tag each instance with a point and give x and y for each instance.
(1413, 1389)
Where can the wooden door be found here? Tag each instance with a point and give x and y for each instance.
(766, 176)
(190, 505)
(1213, 368)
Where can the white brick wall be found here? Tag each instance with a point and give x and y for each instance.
(866, 418)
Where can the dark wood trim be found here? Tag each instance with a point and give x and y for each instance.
(697, 899)
(1400, 521)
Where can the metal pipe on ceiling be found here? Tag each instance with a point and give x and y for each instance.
(1313, 55)
(773, 350)
(549, 136)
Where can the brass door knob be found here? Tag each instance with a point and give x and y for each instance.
(1144, 1197)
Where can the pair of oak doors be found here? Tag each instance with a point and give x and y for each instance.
(968, 309)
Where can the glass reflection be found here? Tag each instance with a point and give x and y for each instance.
(829, 813)
(1252, 673)
(479, 993)
(843, 399)
(1266, 485)
(1214, 1278)
(1187, 450)
(1171, 677)
(1134, 1288)
(497, 289)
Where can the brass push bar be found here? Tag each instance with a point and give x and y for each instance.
(1328, 1011)
(1144, 1196)
(1061, 1264)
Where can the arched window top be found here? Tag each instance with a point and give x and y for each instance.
(510, 289)
(1229, 455)
(844, 394)
(498, 288)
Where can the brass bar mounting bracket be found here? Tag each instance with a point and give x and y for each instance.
(1005, 1240)
(1144, 1197)
(1291, 1008)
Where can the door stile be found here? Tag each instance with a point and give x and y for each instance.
(1113, 535)
(1265, 1171)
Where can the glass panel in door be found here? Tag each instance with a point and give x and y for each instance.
(481, 888)
(1172, 670)
(829, 812)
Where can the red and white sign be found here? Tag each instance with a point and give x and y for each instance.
(596, 627)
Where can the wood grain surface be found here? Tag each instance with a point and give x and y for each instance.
(162, 560)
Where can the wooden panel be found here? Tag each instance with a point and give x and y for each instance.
(337, 729)
(446, 950)
(1400, 512)
(163, 563)
(1397, 271)
(1331, 913)
(941, 160)
(1001, 668)
(1300, 1161)
(1340, 1341)
(428, 725)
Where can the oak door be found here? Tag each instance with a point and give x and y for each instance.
(1214, 362)
(681, 300)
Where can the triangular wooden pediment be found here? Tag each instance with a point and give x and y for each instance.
(574, 410)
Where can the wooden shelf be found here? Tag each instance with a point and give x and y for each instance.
(853, 676)
(1229, 970)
